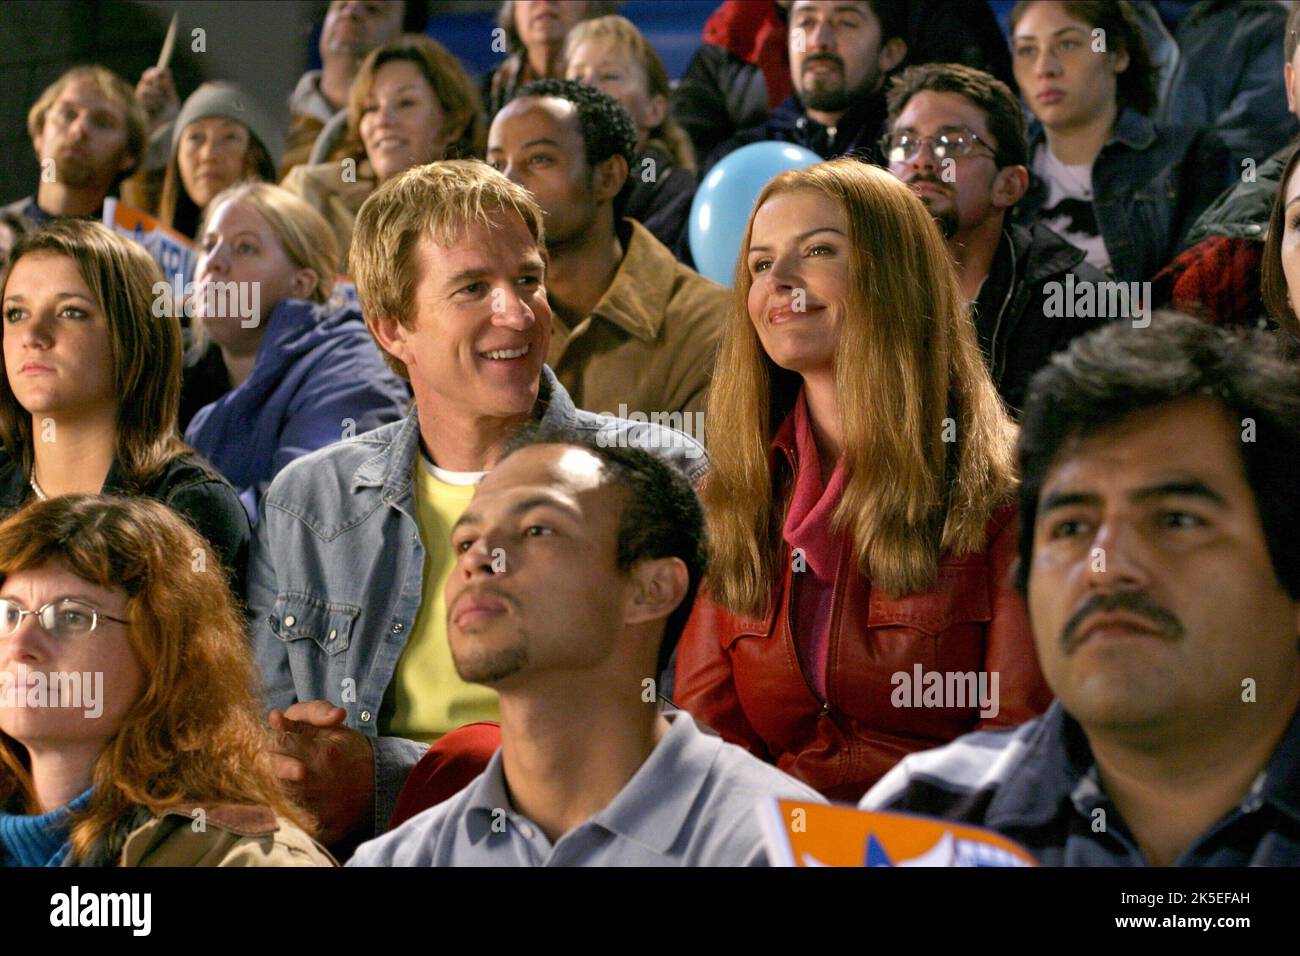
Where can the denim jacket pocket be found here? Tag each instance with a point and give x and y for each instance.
(298, 617)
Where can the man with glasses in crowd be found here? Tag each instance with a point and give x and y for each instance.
(957, 138)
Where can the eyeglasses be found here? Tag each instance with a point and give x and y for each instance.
(954, 143)
(66, 618)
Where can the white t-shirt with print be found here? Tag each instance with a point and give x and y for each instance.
(1069, 209)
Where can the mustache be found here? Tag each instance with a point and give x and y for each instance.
(926, 178)
(485, 590)
(834, 58)
(1136, 603)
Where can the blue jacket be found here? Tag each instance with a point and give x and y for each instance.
(1149, 184)
(317, 378)
(1229, 76)
(858, 131)
(337, 569)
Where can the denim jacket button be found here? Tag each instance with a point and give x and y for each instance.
(398, 627)
(333, 634)
(290, 621)
(365, 716)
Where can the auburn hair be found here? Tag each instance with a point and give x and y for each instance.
(195, 735)
(928, 444)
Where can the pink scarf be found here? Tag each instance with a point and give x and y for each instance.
(808, 528)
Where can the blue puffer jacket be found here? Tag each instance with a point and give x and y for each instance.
(317, 378)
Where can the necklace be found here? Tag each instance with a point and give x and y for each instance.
(40, 495)
(1065, 172)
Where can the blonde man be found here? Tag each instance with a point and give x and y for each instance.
(89, 134)
(353, 548)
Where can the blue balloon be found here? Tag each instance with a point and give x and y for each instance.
(725, 199)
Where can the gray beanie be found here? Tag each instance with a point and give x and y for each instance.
(229, 101)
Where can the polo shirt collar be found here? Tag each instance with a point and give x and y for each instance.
(487, 795)
(638, 297)
(652, 807)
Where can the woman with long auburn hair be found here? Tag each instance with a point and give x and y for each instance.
(860, 497)
(166, 761)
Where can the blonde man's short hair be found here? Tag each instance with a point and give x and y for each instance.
(437, 201)
(114, 88)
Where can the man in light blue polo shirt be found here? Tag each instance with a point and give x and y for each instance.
(577, 568)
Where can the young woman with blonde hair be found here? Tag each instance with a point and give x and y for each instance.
(299, 374)
(611, 54)
(860, 496)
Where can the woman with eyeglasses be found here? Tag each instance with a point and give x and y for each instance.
(859, 502)
(130, 727)
(88, 401)
(1121, 187)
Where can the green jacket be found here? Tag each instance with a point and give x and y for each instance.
(1242, 211)
(208, 835)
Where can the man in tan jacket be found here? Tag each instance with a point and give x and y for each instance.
(635, 330)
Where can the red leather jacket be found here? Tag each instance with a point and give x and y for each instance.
(741, 676)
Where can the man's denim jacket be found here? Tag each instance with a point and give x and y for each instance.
(337, 569)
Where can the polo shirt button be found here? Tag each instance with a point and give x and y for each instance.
(290, 621)
(397, 627)
(526, 830)
(365, 716)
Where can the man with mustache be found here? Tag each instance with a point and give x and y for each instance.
(89, 134)
(841, 51)
(1160, 556)
(576, 567)
(957, 137)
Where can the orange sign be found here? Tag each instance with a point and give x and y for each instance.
(811, 834)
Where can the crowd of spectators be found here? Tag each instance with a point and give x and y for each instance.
(401, 532)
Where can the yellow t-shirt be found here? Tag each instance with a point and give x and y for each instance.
(430, 699)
